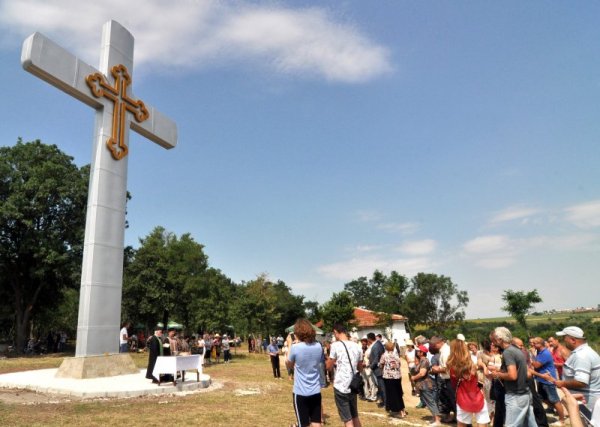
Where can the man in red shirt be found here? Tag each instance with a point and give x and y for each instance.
(559, 353)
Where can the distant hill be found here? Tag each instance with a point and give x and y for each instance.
(561, 317)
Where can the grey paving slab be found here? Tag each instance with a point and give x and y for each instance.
(122, 386)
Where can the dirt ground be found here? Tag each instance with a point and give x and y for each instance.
(28, 397)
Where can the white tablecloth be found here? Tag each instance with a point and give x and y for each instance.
(172, 364)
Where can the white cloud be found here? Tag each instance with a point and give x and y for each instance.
(486, 244)
(191, 34)
(418, 247)
(499, 251)
(584, 215)
(513, 213)
(577, 241)
(493, 263)
(303, 286)
(492, 251)
(357, 267)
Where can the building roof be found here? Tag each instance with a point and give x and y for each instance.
(367, 318)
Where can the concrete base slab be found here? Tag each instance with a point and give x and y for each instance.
(120, 386)
(108, 365)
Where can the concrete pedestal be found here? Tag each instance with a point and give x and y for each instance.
(109, 365)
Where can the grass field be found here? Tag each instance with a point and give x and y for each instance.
(249, 396)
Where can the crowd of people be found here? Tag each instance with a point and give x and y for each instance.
(55, 342)
(211, 346)
(499, 381)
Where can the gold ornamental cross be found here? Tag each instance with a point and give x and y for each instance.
(122, 103)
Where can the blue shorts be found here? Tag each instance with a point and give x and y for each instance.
(548, 392)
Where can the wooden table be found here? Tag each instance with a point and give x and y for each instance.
(173, 364)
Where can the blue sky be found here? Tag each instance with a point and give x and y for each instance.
(319, 141)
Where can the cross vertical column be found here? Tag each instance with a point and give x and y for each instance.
(102, 268)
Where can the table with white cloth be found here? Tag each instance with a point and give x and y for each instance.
(173, 364)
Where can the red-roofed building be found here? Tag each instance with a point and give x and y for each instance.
(393, 327)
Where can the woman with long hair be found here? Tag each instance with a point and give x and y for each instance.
(469, 397)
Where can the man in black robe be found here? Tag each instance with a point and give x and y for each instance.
(155, 349)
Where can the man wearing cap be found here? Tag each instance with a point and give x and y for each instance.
(581, 371)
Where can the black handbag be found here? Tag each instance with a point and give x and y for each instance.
(357, 383)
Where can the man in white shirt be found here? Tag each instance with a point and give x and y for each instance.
(438, 344)
(346, 356)
(581, 371)
(124, 337)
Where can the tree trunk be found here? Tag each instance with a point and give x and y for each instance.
(22, 323)
(23, 315)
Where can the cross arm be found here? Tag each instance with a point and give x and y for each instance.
(158, 128)
(45, 59)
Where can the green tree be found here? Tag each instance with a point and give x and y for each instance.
(380, 293)
(159, 277)
(42, 218)
(267, 308)
(212, 299)
(339, 308)
(394, 291)
(312, 311)
(289, 306)
(364, 292)
(434, 301)
(256, 306)
(519, 304)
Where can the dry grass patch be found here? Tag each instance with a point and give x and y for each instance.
(248, 395)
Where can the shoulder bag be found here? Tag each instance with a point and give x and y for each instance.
(357, 383)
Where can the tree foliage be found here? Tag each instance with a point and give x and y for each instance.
(520, 303)
(425, 299)
(434, 300)
(267, 308)
(42, 218)
(380, 293)
(339, 308)
(160, 276)
(212, 297)
(312, 311)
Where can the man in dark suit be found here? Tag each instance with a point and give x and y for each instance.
(155, 349)
(377, 350)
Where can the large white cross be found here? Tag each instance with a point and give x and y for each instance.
(117, 110)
